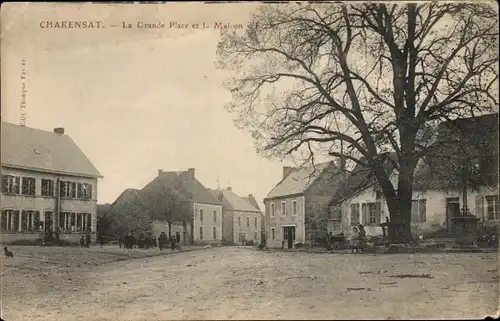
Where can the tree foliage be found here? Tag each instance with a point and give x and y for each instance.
(358, 81)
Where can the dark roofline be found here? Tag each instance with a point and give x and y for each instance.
(50, 171)
(283, 196)
(304, 192)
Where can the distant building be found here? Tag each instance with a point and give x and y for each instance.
(205, 221)
(242, 219)
(297, 208)
(47, 184)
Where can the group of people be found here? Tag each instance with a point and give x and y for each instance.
(357, 241)
(129, 241)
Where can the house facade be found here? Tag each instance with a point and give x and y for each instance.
(242, 220)
(438, 190)
(48, 185)
(204, 226)
(297, 208)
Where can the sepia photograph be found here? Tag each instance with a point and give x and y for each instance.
(306, 160)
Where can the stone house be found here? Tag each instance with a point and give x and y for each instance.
(205, 222)
(438, 189)
(242, 220)
(297, 208)
(48, 184)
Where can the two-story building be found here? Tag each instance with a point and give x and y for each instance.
(205, 223)
(297, 208)
(241, 219)
(48, 184)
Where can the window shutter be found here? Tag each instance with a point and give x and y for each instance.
(364, 216)
(17, 186)
(479, 208)
(36, 220)
(378, 212)
(24, 220)
(5, 183)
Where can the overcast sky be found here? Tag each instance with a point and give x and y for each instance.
(134, 100)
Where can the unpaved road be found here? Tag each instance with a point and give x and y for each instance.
(241, 283)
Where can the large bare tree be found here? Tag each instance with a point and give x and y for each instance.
(359, 81)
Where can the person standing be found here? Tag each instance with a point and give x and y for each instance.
(354, 239)
(362, 238)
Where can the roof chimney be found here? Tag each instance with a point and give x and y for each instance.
(160, 171)
(286, 171)
(191, 172)
(229, 188)
(250, 195)
(59, 130)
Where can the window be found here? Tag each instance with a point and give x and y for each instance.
(47, 187)
(255, 235)
(84, 191)
(28, 186)
(354, 214)
(10, 220)
(248, 221)
(65, 221)
(215, 216)
(214, 232)
(272, 209)
(10, 184)
(418, 213)
(371, 213)
(201, 215)
(492, 207)
(67, 189)
(294, 208)
(283, 208)
(201, 233)
(239, 221)
(30, 220)
(255, 222)
(272, 233)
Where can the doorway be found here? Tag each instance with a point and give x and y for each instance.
(289, 235)
(178, 237)
(452, 210)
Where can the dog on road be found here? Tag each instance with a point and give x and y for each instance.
(8, 253)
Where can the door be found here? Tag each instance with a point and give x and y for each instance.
(452, 210)
(289, 235)
(243, 238)
(178, 237)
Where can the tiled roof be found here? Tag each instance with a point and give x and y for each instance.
(299, 180)
(441, 170)
(186, 185)
(232, 201)
(252, 201)
(35, 149)
(472, 138)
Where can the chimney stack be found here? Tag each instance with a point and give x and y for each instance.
(287, 170)
(191, 172)
(59, 130)
(159, 172)
(250, 195)
(229, 188)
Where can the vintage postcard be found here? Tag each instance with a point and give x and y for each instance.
(249, 160)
